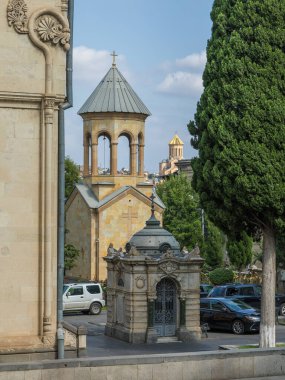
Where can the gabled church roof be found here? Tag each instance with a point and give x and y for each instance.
(92, 201)
(114, 94)
(176, 141)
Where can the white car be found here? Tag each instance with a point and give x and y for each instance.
(86, 297)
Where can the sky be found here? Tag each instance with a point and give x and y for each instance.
(161, 47)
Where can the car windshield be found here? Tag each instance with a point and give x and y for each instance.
(237, 305)
(207, 287)
(217, 292)
(65, 287)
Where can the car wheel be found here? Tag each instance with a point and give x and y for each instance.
(238, 327)
(282, 309)
(95, 308)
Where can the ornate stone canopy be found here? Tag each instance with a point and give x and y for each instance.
(153, 288)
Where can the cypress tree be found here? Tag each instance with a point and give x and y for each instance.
(239, 130)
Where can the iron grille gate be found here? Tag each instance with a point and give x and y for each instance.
(165, 308)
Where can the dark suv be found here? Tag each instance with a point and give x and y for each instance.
(249, 293)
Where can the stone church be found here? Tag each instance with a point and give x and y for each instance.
(168, 166)
(34, 40)
(109, 206)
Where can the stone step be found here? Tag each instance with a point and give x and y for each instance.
(167, 339)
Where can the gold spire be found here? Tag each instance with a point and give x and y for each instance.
(176, 141)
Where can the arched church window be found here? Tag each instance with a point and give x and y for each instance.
(104, 154)
(124, 155)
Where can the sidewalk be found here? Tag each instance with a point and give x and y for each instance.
(99, 345)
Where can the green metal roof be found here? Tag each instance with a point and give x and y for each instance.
(114, 94)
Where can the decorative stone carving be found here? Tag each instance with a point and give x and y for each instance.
(48, 27)
(140, 282)
(168, 253)
(168, 267)
(17, 15)
(49, 102)
(50, 30)
(49, 340)
(69, 338)
(131, 251)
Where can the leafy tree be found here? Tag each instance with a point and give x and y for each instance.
(280, 249)
(71, 175)
(182, 217)
(239, 130)
(240, 251)
(70, 256)
(221, 276)
(212, 247)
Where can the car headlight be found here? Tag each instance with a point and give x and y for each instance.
(252, 318)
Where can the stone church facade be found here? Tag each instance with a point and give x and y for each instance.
(168, 166)
(109, 207)
(34, 39)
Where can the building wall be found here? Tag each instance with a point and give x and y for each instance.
(28, 176)
(80, 234)
(92, 231)
(119, 222)
(211, 365)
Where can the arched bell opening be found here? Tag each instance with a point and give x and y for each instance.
(104, 154)
(124, 154)
(166, 307)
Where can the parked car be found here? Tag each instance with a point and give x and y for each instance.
(227, 314)
(249, 293)
(86, 297)
(205, 289)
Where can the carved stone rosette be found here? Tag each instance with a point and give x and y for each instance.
(49, 27)
(50, 30)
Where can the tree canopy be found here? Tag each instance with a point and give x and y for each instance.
(240, 251)
(239, 128)
(71, 175)
(182, 217)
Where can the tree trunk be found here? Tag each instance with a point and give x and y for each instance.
(267, 325)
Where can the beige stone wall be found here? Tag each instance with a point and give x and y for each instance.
(119, 222)
(79, 227)
(28, 176)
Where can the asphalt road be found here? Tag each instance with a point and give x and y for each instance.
(99, 345)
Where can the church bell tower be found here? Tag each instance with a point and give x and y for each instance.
(111, 111)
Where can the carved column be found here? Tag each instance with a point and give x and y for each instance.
(49, 111)
(133, 163)
(151, 334)
(114, 158)
(141, 160)
(94, 162)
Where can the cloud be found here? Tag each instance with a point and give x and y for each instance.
(92, 64)
(182, 83)
(193, 61)
(188, 80)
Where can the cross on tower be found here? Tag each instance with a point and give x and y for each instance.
(114, 55)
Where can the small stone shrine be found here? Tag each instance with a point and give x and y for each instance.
(153, 288)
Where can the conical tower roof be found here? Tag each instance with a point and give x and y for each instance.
(114, 94)
(176, 141)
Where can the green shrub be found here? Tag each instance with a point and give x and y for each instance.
(221, 276)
